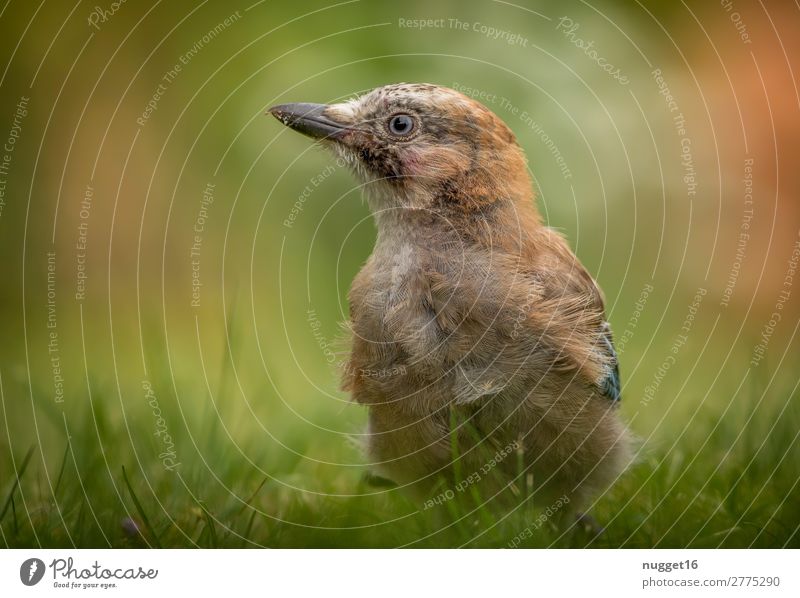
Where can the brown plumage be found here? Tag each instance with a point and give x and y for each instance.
(473, 324)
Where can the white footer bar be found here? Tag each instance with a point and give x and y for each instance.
(415, 573)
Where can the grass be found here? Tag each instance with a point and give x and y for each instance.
(727, 480)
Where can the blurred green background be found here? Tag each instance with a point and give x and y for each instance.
(176, 264)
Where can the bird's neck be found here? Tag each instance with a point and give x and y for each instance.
(504, 225)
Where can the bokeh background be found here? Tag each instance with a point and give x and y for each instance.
(175, 264)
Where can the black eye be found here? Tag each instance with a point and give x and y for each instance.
(401, 125)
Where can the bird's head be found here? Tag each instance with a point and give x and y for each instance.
(420, 146)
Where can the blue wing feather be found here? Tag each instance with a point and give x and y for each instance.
(610, 384)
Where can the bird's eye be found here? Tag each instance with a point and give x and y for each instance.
(401, 125)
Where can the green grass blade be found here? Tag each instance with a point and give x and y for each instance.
(140, 510)
(14, 487)
(14, 515)
(61, 470)
(212, 532)
(246, 536)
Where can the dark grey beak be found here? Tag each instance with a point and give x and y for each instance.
(309, 119)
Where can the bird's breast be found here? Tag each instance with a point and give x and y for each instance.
(424, 326)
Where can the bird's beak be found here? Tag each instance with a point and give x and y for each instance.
(310, 119)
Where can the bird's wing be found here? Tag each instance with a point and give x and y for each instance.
(584, 336)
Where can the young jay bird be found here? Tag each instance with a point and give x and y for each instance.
(492, 331)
